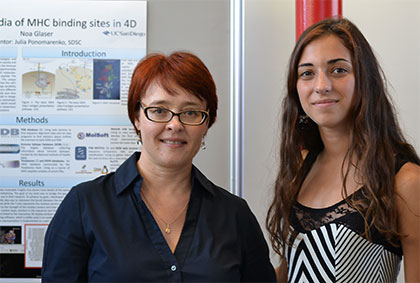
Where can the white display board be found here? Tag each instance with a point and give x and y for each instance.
(65, 69)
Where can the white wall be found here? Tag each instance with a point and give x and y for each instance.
(392, 28)
(201, 27)
(269, 39)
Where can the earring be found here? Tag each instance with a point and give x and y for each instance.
(203, 144)
(139, 141)
(303, 119)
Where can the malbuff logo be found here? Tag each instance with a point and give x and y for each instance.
(82, 135)
(97, 135)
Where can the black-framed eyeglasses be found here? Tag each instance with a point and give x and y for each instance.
(163, 115)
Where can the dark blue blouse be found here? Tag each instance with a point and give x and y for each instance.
(103, 231)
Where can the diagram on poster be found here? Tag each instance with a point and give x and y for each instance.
(37, 82)
(74, 80)
(107, 79)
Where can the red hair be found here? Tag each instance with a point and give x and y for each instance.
(182, 69)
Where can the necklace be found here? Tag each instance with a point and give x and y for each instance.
(168, 225)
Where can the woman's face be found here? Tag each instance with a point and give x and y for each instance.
(326, 82)
(171, 144)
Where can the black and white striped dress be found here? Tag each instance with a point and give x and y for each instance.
(328, 246)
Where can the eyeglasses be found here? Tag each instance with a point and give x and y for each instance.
(163, 115)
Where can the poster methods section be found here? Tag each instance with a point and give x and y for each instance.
(64, 79)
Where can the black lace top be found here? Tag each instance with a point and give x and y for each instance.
(328, 244)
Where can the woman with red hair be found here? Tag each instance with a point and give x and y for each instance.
(158, 218)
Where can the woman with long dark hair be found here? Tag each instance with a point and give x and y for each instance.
(346, 204)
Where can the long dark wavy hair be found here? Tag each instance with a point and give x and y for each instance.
(375, 139)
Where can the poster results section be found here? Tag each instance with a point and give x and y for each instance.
(64, 78)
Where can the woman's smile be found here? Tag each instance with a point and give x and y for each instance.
(173, 142)
(325, 102)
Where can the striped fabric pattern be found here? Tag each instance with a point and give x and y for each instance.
(335, 253)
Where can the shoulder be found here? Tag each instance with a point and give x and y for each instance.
(97, 182)
(89, 191)
(95, 185)
(113, 183)
(225, 203)
(234, 207)
(218, 202)
(407, 184)
(228, 200)
(218, 196)
(83, 205)
(407, 180)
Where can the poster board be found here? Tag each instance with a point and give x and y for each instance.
(65, 69)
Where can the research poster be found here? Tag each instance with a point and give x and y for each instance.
(65, 70)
